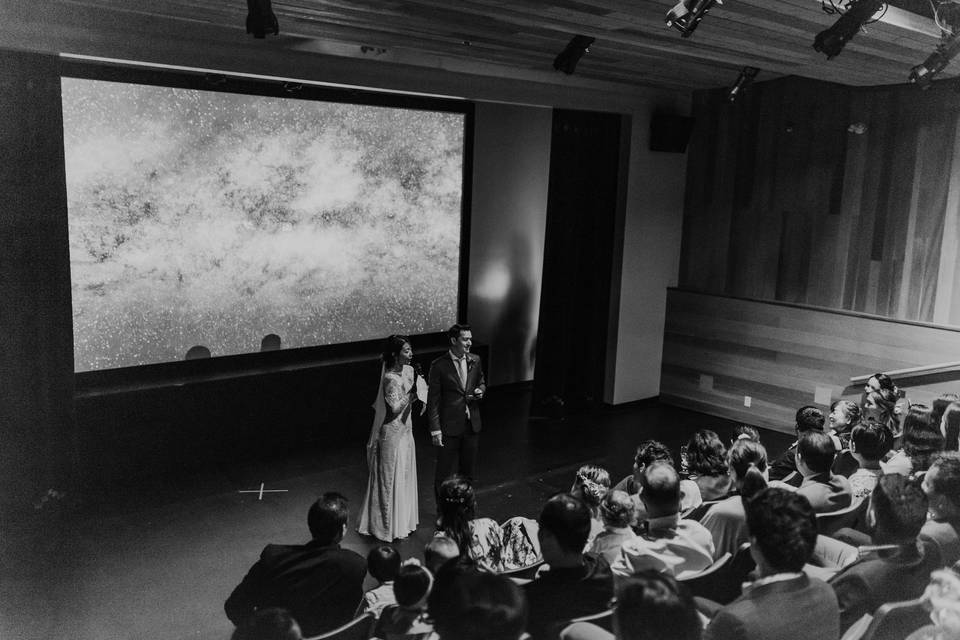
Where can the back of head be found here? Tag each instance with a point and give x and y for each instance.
(327, 517)
(900, 508)
(567, 518)
(809, 418)
(706, 455)
(651, 451)
(268, 624)
(817, 451)
(479, 606)
(946, 480)
(438, 550)
(457, 504)
(455, 330)
(661, 489)
(383, 563)
(618, 510)
(871, 440)
(748, 460)
(940, 405)
(746, 432)
(590, 484)
(654, 606)
(270, 342)
(783, 526)
(412, 586)
(921, 437)
(951, 427)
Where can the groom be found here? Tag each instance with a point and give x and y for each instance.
(456, 386)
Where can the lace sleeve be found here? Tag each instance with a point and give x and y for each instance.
(394, 395)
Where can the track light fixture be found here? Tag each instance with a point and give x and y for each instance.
(566, 61)
(858, 12)
(261, 19)
(747, 74)
(923, 73)
(687, 15)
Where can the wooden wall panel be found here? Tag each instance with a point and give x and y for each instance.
(779, 354)
(787, 202)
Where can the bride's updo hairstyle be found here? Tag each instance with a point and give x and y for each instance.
(590, 485)
(748, 460)
(392, 347)
(457, 505)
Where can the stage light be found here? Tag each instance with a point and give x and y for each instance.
(687, 15)
(747, 74)
(260, 19)
(566, 61)
(858, 12)
(923, 73)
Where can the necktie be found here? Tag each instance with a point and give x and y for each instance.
(462, 369)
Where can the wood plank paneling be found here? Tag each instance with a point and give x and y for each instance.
(779, 354)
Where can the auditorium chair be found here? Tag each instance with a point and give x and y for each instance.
(357, 629)
(523, 575)
(897, 620)
(723, 580)
(848, 518)
(603, 619)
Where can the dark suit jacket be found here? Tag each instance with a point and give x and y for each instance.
(801, 608)
(447, 397)
(321, 585)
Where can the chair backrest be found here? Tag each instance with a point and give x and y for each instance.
(717, 565)
(829, 523)
(602, 619)
(897, 620)
(723, 581)
(357, 629)
(523, 573)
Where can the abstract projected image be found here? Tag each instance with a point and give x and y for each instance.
(215, 219)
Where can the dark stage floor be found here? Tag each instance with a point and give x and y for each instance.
(157, 560)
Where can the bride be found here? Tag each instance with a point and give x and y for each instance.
(389, 508)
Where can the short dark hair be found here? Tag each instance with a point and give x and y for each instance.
(951, 427)
(784, 527)
(651, 451)
(809, 418)
(412, 584)
(946, 482)
(568, 519)
(327, 516)
(872, 440)
(654, 606)
(271, 623)
(479, 606)
(661, 487)
(900, 508)
(454, 332)
(817, 450)
(921, 437)
(706, 455)
(383, 562)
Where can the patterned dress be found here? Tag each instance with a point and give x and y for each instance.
(389, 509)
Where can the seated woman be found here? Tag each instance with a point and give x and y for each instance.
(479, 539)
(407, 619)
(707, 465)
(727, 520)
(618, 515)
(878, 407)
(591, 485)
(844, 416)
(921, 440)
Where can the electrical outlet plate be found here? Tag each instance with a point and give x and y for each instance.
(747, 401)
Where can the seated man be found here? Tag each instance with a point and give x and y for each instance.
(941, 483)
(784, 468)
(666, 543)
(898, 568)
(648, 452)
(576, 584)
(783, 603)
(318, 582)
(825, 490)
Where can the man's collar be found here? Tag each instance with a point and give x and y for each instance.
(663, 523)
(455, 357)
(771, 579)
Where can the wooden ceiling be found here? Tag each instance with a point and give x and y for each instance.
(519, 38)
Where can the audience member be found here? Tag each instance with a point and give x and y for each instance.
(383, 564)
(726, 521)
(479, 606)
(438, 550)
(667, 543)
(825, 490)
(784, 603)
(939, 408)
(648, 452)
(648, 606)
(784, 468)
(921, 440)
(898, 567)
(878, 407)
(950, 427)
(941, 484)
(942, 598)
(407, 619)
(271, 623)
(319, 583)
(270, 342)
(844, 416)
(880, 382)
(707, 465)
(479, 539)
(619, 516)
(590, 485)
(869, 443)
(576, 584)
(745, 432)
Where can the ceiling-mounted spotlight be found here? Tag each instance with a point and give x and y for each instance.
(858, 12)
(567, 59)
(260, 19)
(687, 15)
(747, 74)
(923, 73)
